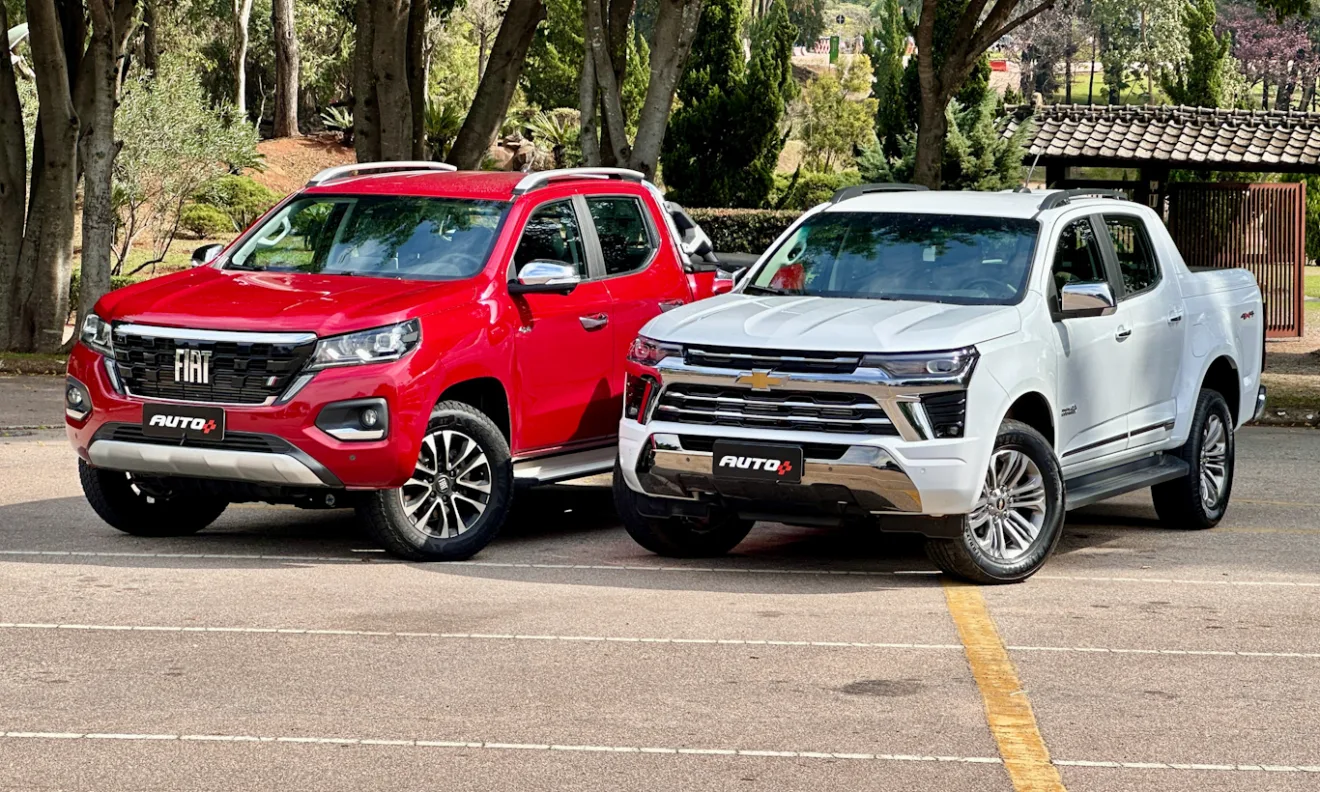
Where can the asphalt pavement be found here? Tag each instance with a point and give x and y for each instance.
(280, 650)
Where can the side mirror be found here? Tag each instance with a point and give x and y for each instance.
(545, 277)
(206, 254)
(1086, 299)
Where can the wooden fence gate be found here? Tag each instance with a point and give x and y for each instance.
(1260, 227)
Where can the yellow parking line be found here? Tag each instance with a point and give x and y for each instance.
(1007, 709)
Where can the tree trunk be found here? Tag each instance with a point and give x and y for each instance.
(417, 17)
(587, 135)
(366, 116)
(41, 287)
(503, 68)
(150, 40)
(13, 182)
(614, 140)
(1090, 89)
(97, 150)
(617, 14)
(389, 60)
(675, 29)
(286, 68)
(1068, 62)
(242, 14)
(482, 46)
(930, 112)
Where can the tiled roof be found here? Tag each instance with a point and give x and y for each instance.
(1181, 136)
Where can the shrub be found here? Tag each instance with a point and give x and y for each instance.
(239, 197)
(805, 189)
(116, 282)
(204, 221)
(743, 230)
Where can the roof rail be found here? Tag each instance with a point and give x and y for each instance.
(1064, 197)
(539, 179)
(358, 168)
(862, 189)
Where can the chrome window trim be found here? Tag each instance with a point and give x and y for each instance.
(219, 336)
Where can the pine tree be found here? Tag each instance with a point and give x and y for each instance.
(887, 47)
(1199, 81)
(723, 143)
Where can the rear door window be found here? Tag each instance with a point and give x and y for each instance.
(626, 240)
(1132, 248)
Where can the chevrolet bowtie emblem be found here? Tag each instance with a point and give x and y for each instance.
(760, 380)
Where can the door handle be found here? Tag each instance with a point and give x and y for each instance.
(1123, 333)
(669, 305)
(594, 322)
(1176, 316)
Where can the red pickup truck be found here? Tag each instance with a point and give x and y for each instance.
(398, 337)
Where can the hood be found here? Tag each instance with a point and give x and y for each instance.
(833, 324)
(212, 299)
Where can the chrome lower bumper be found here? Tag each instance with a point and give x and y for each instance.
(866, 475)
(1260, 404)
(168, 460)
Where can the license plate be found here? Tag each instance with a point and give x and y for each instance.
(178, 422)
(757, 462)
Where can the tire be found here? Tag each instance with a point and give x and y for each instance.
(1189, 502)
(982, 554)
(145, 508)
(677, 537)
(464, 501)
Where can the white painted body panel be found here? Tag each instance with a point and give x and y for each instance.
(1097, 386)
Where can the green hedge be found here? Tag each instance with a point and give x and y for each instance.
(204, 221)
(743, 230)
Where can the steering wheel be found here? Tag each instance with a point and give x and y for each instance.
(995, 288)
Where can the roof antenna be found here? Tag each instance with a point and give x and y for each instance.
(1024, 188)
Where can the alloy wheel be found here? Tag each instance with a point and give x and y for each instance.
(1008, 518)
(450, 485)
(1214, 462)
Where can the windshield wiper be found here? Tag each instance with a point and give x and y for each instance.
(770, 290)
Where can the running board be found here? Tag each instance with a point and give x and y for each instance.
(561, 467)
(1093, 487)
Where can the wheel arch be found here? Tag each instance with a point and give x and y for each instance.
(487, 394)
(1033, 408)
(1221, 376)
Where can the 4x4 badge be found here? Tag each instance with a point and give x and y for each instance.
(760, 380)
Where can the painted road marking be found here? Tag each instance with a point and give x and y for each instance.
(917, 574)
(1007, 708)
(634, 749)
(120, 628)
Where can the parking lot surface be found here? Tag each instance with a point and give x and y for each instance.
(281, 650)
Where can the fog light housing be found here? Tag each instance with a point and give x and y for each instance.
(359, 420)
(77, 400)
(637, 396)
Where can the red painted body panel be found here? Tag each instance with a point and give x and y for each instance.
(563, 383)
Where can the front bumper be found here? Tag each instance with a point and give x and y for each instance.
(877, 476)
(271, 445)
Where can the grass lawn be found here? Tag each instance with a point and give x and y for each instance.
(1312, 285)
(1135, 93)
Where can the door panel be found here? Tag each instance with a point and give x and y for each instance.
(642, 275)
(564, 350)
(1094, 357)
(1152, 308)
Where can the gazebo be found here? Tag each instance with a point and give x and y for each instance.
(1216, 224)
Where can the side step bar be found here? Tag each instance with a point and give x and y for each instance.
(1088, 489)
(561, 467)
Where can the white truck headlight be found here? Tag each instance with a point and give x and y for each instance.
(955, 364)
(649, 352)
(96, 333)
(379, 345)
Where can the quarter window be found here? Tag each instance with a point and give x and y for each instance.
(626, 242)
(1077, 258)
(1136, 260)
(552, 234)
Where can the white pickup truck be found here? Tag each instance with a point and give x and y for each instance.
(968, 366)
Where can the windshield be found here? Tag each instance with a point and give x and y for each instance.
(884, 256)
(382, 236)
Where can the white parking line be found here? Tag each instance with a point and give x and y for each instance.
(636, 640)
(632, 749)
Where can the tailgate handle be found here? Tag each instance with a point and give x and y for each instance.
(669, 305)
(594, 322)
